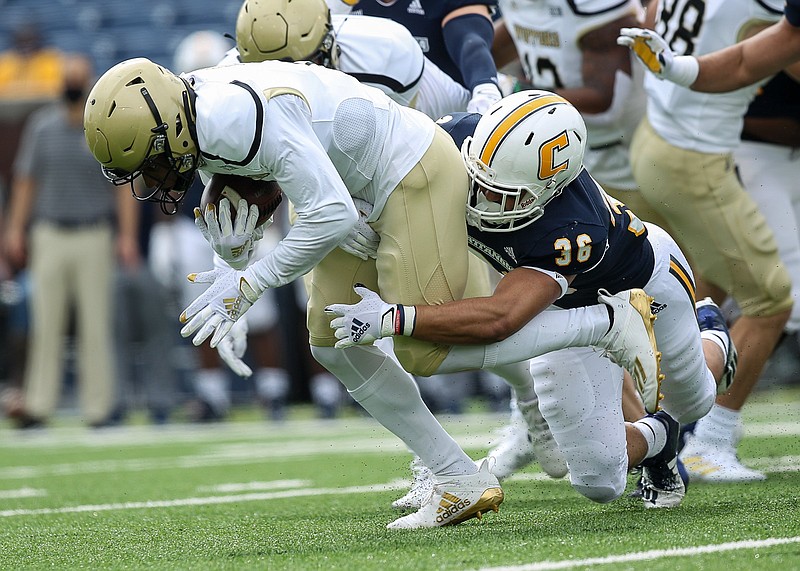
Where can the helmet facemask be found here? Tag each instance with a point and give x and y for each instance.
(327, 54)
(496, 207)
(166, 176)
(166, 172)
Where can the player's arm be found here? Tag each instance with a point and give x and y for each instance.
(747, 62)
(520, 296)
(468, 34)
(23, 194)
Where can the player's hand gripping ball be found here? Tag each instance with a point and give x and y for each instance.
(234, 212)
(265, 194)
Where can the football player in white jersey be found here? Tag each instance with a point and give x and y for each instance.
(726, 69)
(570, 48)
(376, 51)
(682, 158)
(327, 139)
(539, 218)
(381, 53)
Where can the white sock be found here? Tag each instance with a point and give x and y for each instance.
(719, 426)
(718, 339)
(326, 390)
(391, 397)
(211, 385)
(272, 384)
(654, 432)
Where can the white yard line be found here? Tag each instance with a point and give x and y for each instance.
(210, 500)
(647, 555)
(22, 493)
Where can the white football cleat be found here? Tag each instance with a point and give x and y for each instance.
(716, 463)
(542, 442)
(421, 487)
(456, 499)
(631, 342)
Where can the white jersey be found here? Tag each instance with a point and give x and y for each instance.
(318, 132)
(383, 54)
(547, 35)
(704, 122)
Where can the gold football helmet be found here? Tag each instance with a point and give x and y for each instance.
(287, 30)
(139, 120)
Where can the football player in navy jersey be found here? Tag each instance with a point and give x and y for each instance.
(541, 220)
(456, 35)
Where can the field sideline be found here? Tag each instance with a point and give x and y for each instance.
(309, 494)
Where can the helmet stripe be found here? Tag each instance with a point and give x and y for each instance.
(512, 120)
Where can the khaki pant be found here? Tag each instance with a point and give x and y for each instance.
(422, 257)
(71, 268)
(714, 220)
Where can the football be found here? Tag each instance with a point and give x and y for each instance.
(265, 194)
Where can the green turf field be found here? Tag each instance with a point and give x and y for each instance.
(311, 494)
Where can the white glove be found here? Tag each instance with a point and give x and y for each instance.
(229, 296)
(233, 346)
(362, 241)
(653, 51)
(234, 244)
(484, 96)
(370, 319)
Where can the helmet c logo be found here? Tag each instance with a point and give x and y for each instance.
(547, 167)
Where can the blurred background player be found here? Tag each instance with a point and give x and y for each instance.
(768, 163)
(456, 35)
(68, 229)
(682, 159)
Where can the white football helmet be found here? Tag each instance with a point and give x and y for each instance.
(525, 149)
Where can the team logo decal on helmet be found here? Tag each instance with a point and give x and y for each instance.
(524, 151)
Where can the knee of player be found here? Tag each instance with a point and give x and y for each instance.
(599, 490)
(701, 406)
(776, 300)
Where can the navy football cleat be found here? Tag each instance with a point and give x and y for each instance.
(662, 484)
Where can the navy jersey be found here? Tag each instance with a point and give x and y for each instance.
(779, 97)
(792, 12)
(424, 19)
(584, 232)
